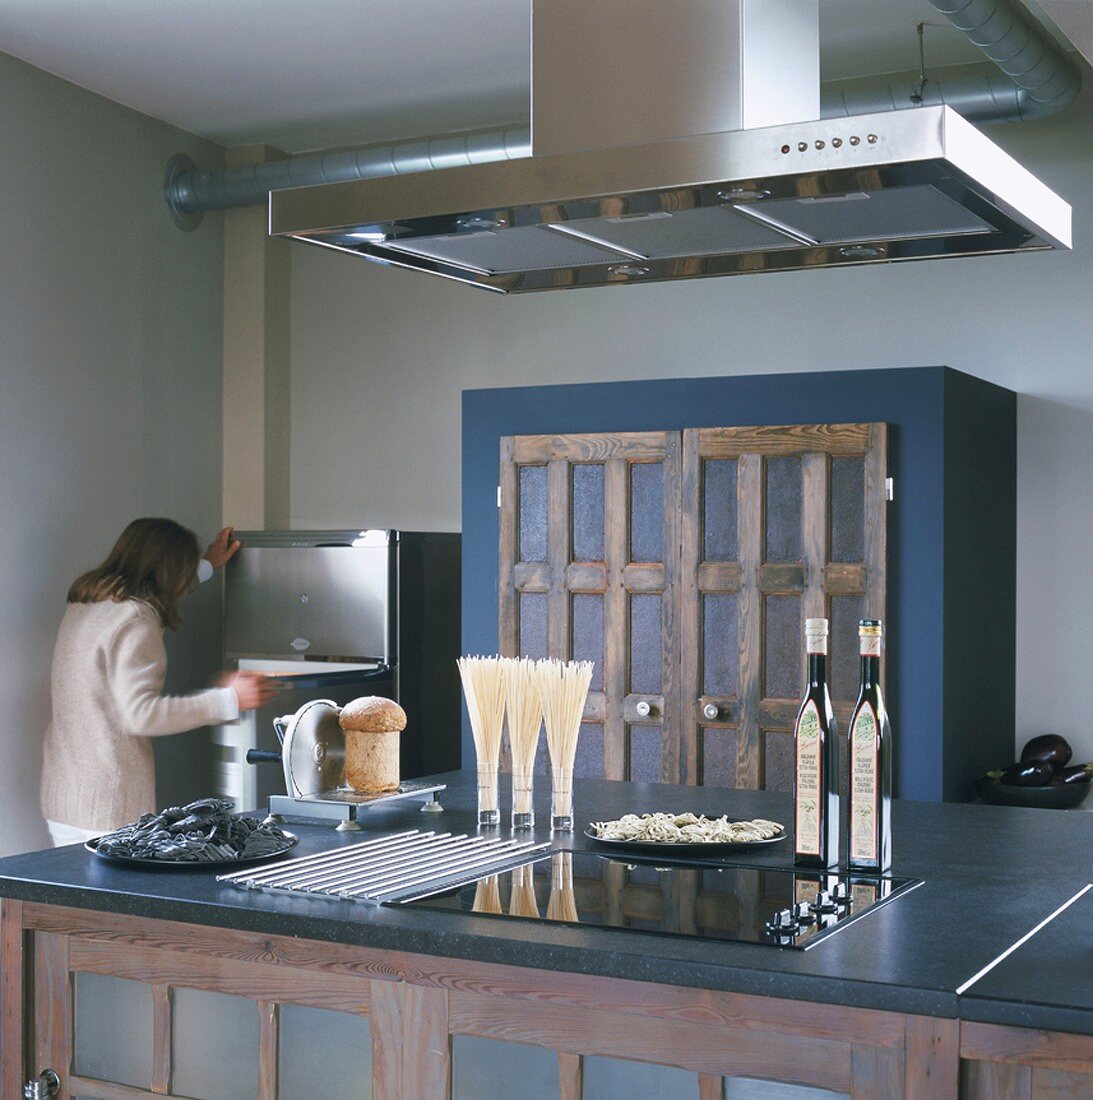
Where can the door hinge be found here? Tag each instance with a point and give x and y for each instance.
(889, 488)
(498, 496)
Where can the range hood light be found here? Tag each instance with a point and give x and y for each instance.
(478, 223)
(862, 251)
(742, 194)
(628, 271)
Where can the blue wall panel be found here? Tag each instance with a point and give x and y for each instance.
(911, 401)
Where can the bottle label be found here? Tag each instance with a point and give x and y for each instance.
(870, 646)
(809, 796)
(864, 785)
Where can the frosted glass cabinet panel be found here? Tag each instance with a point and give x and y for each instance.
(113, 1029)
(614, 1079)
(489, 1067)
(746, 1088)
(321, 1046)
(215, 1051)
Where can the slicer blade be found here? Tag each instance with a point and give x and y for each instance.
(314, 749)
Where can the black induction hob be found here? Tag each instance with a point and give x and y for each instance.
(774, 906)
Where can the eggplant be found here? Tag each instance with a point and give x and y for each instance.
(1038, 773)
(1079, 773)
(1048, 748)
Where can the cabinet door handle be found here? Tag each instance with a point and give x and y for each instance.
(710, 711)
(43, 1086)
(643, 709)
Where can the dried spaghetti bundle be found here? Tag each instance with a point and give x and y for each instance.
(487, 896)
(522, 901)
(484, 691)
(564, 687)
(562, 904)
(524, 708)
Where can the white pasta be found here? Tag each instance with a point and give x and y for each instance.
(686, 829)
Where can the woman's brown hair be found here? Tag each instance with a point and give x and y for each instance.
(154, 560)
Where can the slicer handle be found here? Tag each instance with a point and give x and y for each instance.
(263, 756)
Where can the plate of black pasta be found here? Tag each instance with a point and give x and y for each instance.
(204, 833)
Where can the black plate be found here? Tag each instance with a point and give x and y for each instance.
(174, 864)
(664, 847)
(1063, 797)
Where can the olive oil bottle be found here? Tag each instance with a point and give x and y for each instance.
(816, 761)
(870, 752)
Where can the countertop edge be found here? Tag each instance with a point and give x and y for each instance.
(851, 993)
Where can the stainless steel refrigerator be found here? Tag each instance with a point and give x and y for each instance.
(335, 615)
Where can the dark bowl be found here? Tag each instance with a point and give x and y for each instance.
(1064, 796)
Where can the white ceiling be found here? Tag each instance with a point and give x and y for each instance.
(309, 74)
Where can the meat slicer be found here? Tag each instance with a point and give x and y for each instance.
(312, 757)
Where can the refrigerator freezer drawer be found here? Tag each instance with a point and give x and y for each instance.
(316, 601)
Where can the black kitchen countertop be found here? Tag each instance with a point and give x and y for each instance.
(991, 874)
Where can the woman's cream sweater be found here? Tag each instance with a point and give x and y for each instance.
(109, 666)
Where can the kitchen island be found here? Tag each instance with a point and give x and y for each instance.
(892, 1005)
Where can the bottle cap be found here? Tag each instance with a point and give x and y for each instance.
(870, 628)
(816, 636)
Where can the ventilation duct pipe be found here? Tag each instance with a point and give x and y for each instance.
(1032, 75)
(1042, 79)
(979, 92)
(189, 192)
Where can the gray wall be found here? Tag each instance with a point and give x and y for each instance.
(109, 390)
(380, 357)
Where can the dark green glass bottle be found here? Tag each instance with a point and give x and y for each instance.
(869, 834)
(816, 761)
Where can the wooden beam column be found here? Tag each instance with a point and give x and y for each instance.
(257, 407)
(12, 963)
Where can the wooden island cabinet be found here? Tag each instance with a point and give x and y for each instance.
(132, 985)
(420, 1006)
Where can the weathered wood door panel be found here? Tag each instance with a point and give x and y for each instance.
(779, 524)
(590, 571)
(684, 565)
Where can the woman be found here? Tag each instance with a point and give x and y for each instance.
(109, 666)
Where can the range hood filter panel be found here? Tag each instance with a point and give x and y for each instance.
(499, 251)
(904, 214)
(706, 231)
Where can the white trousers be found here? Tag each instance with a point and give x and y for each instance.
(69, 834)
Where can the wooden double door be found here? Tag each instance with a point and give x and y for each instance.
(683, 564)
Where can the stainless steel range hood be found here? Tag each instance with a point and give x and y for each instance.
(900, 185)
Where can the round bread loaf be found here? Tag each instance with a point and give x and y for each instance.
(372, 727)
(373, 714)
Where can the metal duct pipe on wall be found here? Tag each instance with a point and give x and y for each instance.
(1019, 46)
(189, 192)
(1037, 76)
(979, 92)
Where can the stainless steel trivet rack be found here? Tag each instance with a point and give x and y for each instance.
(378, 870)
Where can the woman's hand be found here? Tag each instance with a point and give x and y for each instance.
(222, 549)
(252, 689)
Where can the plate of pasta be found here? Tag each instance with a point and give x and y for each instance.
(685, 833)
